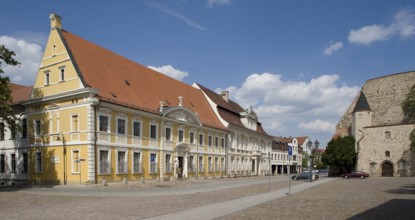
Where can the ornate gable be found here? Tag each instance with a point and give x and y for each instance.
(181, 114)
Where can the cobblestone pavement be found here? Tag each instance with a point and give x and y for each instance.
(371, 198)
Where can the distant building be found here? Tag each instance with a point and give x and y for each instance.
(13, 141)
(280, 160)
(375, 119)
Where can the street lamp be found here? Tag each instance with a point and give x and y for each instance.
(64, 155)
(310, 160)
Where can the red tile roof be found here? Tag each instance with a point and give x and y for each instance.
(125, 82)
(20, 93)
(229, 110)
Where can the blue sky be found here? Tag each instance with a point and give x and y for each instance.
(298, 63)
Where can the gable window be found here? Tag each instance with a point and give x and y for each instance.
(13, 163)
(2, 163)
(136, 129)
(25, 163)
(37, 128)
(75, 161)
(137, 162)
(47, 78)
(192, 137)
(121, 126)
(38, 162)
(200, 139)
(75, 122)
(2, 131)
(181, 135)
(62, 74)
(153, 131)
(103, 123)
(168, 134)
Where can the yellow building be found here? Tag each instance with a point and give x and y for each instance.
(96, 115)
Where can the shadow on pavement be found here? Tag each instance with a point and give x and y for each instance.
(393, 209)
(408, 189)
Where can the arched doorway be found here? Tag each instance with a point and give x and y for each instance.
(181, 160)
(387, 169)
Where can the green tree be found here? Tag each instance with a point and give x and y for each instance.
(6, 112)
(341, 154)
(408, 108)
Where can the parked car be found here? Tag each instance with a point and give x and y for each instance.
(304, 175)
(360, 174)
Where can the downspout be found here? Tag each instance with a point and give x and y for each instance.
(95, 103)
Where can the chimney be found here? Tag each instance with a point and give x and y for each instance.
(55, 21)
(225, 95)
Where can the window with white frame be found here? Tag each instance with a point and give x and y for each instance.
(153, 131)
(192, 137)
(216, 164)
(191, 166)
(47, 78)
(37, 128)
(121, 162)
(210, 165)
(137, 162)
(137, 129)
(181, 136)
(223, 142)
(121, 126)
(209, 140)
(153, 163)
(104, 162)
(216, 142)
(75, 161)
(222, 164)
(38, 162)
(2, 131)
(25, 163)
(168, 163)
(200, 164)
(104, 123)
(74, 123)
(62, 74)
(168, 134)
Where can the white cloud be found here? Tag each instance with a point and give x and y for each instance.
(333, 48)
(403, 24)
(212, 3)
(295, 108)
(171, 71)
(28, 54)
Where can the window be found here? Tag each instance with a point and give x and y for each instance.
(103, 123)
(75, 123)
(216, 164)
(388, 135)
(223, 142)
(54, 50)
(38, 162)
(2, 131)
(153, 131)
(2, 163)
(121, 162)
(181, 135)
(136, 162)
(13, 163)
(192, 137)
(222, 163)
(387, 153)
(62, 74)
(121, 126)
(210, 164)
(47, 80)
(168, 134)
(104, 161)
(136, 129)
(24, 128)
(209, 141)
(216, 142)
(153, 163)
(200, 164)
(168, 163)
(191, 164)
(37, 128)
(200, 139)
(75, 161)
(25, 163)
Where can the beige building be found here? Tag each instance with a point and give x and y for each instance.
(376, 121)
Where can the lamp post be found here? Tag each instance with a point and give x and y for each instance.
(64, 155)
(310, 159)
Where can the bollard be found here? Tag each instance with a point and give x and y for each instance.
(124, 180)
(104, 182)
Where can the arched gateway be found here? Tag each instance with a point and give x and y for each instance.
(387, 169)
